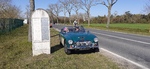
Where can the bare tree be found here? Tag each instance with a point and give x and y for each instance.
(54, 10)
(57, 9)
(64, 4)
(7, 10)
(27, 13)
(109, 5)
(87, 4)
(77, 6)
(50, 12)
(147, 7)
(68, 7)
(3, 7)
(32, 8)
(13, 12)
(83, 16)
(4, 4)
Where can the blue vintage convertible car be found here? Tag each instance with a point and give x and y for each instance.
(77, 38)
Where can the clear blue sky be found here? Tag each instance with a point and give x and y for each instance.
(134, 6)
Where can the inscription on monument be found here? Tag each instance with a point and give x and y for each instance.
(45, 28)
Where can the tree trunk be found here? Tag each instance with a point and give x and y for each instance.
(88, 13)
(52, 19)
(57, 19)
(64, 16)
(77, 16)
(88, 21)
(108, 17)
(29, 31)
(69, 18)
(32, 7)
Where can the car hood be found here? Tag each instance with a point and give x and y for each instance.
(80, 36)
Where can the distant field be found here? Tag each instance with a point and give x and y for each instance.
(130, 28)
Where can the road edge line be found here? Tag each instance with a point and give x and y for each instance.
(141, 66)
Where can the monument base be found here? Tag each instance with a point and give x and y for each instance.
(40, 48)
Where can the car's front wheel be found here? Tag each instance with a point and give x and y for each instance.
(67, 51)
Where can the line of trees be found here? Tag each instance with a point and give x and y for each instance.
(127, 17)
(67, 6)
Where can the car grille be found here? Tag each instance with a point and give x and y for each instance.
(85, 43)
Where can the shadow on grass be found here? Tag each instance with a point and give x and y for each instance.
(54, 35)
(82, 52)
(56, 48)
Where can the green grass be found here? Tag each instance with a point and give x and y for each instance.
(16, 53)
(14, 48)
(122, 27)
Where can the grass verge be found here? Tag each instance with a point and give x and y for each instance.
(16, 53)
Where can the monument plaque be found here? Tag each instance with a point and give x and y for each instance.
(45, 28)
(40, 32)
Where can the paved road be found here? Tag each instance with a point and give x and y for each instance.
(132, 47)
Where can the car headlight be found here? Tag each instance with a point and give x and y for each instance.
(70, 41)
(89, 43)
(95, 39)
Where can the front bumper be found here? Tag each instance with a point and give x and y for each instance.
(86, 47)
(74, 47)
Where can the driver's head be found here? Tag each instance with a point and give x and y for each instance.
(66, 29)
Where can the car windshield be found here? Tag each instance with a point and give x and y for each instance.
(79, 29)
(75, 29)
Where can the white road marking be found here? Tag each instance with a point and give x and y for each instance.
(141, 66)
(123, 38)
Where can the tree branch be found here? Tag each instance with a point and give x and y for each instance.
(103, 3)
(113, 2)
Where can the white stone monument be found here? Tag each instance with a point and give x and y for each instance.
(40, 32)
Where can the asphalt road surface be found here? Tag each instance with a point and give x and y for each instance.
(133, 47)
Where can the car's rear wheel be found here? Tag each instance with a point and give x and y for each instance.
(67, 51)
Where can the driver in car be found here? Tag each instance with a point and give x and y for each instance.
(66, 29)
